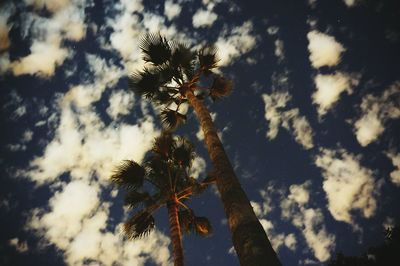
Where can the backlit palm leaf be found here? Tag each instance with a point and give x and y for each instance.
(183, 154)
(133, 198)
(156, 49)
(221, 87)
(208, 58)
(146, 82)
(128, 174)
(139, 225)
(164, 144)
(171, 119)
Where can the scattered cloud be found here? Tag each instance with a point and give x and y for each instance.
(350, 3)
(324, 49)
(375, 112)
(6, 11)
(308, 220)
(395, 174)
(20, 246)
(204, 18)
(329, 88)
(279, 51)
(278, 114)
(235, 42)
(120, 103)
(348, 185)
(171, 9)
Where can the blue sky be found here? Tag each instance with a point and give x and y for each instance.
(311, 127)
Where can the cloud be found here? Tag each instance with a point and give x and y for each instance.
(279, 51)
(308, 220)
(329, 88)
(120, 103)
(350, 3)
(324, 49)
(235, 42)
(277, 114)
(395, 174)
(375, 112)
(348, 185)
(47, 35)
(204, 18)
(75, 222)
(171, 10)
(20, 246)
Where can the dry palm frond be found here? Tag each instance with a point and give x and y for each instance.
(202, 226)
(221, 87)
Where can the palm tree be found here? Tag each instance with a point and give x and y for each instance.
(163, 180)
(173, 75)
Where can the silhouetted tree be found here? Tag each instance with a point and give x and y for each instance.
(387, 254)
(172, 77)
(162, 180)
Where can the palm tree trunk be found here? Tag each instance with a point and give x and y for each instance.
(248, 236)
(175, 231)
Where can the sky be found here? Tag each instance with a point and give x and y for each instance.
(311, 128)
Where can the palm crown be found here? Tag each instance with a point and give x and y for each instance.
(171, 69)
(162, 179)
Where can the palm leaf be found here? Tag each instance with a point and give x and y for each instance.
(202, 226)
(128, 174)
(156, 49)
(146, 82)
(171, 119)
(164, 144)
(139, 225)
(133, 198)
(183, 58)
(183, 154)
(186, 218)
(208, 58)
(221, 87)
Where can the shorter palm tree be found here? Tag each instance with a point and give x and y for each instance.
(163, 180)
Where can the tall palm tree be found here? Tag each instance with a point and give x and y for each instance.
(163, 180)
(175, 74)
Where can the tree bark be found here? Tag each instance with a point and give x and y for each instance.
(248, 236)
(175, 230)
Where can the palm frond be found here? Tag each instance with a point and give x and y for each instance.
(157, 172)
(221, 87)
(128, 174)
(139, 225)
(186, 218)
(182, 56)
(171, 119)
(183, 154)
(146, 82)
(208, 58)
(156, 49)
(164, 144)
(202, 226)
(133, 198)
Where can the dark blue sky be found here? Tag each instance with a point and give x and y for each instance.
(311, 127)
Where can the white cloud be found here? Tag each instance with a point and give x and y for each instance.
(171, 9)
(234, 43)
(350, 3)
(329, 88)
(348, 185)
(47, 35)
(324, 49)
(376, 111)
(204, 18)
(395, 174)
(277, 114)
(20, 246)
(279, 52)
(76, 223)
(308, 220)
(198, 167)
(120, 103)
